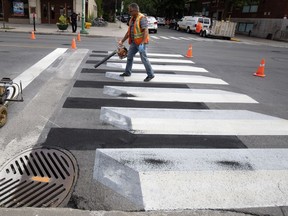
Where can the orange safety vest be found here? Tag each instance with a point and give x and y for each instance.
(138, 32)
(198, 27)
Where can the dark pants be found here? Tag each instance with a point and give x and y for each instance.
(74, 26)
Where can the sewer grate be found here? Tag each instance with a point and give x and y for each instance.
(40, 177)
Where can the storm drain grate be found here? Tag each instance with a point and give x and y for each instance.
(38, 177)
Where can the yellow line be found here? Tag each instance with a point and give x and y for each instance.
(40, 179)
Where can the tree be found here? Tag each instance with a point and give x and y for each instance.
(99, 8)
(166, 8)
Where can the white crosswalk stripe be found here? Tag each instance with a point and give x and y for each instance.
(195, 178)
(156, 60)
(163, 37)
(209, 122)
(174, 94)
(168, 78)
(193, 39)
(175, 38)
(155, 37)
(184, 38)
(159, 67)
(162, 55)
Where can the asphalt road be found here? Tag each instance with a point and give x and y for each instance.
(62, 106)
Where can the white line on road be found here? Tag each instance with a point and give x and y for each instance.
(158, 60)
(193, 122)
(168, 78)
(159, 67)
(163, 55)
(31, 73)
(169, 179)
(175, 38)
(174, 94)
(184, 38)
(166, 38)
(155, 37)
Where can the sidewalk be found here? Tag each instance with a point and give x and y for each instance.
(117, 29)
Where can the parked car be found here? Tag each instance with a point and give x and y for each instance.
(125, 18)
(161, 21)
(152, 24)
(188, 23)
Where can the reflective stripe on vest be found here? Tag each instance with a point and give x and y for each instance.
(138, 32)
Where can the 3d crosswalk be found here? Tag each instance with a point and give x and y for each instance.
(150, 132)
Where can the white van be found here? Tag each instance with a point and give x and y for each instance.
(188, 23)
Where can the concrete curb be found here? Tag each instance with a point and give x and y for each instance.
(74, 212)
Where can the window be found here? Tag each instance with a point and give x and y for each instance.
(250, 8)
(253, 8)
(19, 8)
(206, 21)
(245, 27)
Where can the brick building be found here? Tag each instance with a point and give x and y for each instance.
(260, 18)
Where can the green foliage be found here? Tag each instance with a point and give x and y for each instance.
(99, 8)
(90, 17)
(165, 8)
(176, 9)
(63, 20)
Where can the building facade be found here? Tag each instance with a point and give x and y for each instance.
(260, 18)
(45, 11)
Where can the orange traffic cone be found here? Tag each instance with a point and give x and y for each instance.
(78, 37)
(73, 45)
(33, 36)
(261, 68)
(189, 52)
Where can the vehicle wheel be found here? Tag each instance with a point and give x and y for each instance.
(188, 30)
(3, 115)
(204, 34)
(201, 34)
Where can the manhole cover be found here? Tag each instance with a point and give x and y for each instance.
(37, 178)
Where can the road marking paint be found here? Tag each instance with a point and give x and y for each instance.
(31, 73)
(166, 38)
(158, 60)
(175, 38)
(169, 179)
(159, 67)
(162, 55)
(167, 78)
(193, 122)
(155, 37)
(184, 38)
(176, 94)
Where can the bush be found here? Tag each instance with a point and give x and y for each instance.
(62, 20)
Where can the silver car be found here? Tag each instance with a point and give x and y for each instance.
(152, 24)
(161, 21)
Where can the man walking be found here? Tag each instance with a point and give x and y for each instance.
(73, 21)
(138, 38)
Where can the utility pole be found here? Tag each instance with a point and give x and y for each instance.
(115, 10)
(3, 15)
(83, 31)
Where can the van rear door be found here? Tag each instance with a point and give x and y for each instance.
(206, 23)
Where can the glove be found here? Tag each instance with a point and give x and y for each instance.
(141, 48)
